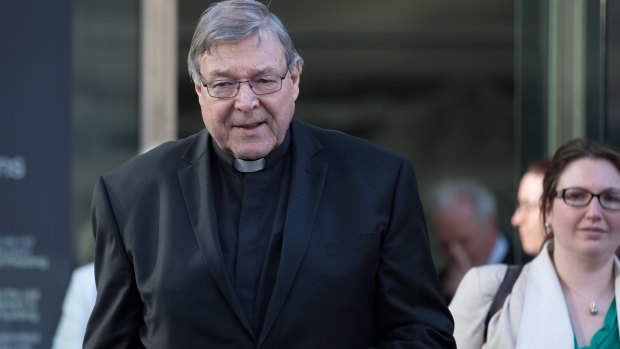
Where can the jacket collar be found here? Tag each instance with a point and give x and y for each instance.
(546, 322)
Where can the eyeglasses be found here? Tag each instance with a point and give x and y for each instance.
(260, 85)
(577, 197)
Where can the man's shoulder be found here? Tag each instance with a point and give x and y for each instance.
(162, 160)
(346, 146)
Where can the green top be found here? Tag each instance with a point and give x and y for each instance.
(607, 337)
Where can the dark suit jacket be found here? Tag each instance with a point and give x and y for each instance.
(355, 269)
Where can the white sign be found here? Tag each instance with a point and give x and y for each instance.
(12, 167)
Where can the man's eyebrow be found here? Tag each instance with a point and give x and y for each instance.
(218, 74)
(225, 74)
(265, 71)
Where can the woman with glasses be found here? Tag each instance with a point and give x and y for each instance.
(566, 296)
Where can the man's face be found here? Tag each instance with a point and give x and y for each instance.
(248, 126)
(527, 215)
(460, 234)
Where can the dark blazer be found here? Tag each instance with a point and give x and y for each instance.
(355, 269)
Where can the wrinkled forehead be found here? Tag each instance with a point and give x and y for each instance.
(457, 220)
(258, 40)
(241, 59)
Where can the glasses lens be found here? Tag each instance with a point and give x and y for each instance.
(265, 84)
(610, 200)
(222, 88)
(577, 197)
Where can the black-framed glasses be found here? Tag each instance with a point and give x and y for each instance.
(578, 197)
(260, 85)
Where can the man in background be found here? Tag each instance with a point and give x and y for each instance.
(463, 215)
(527, 217)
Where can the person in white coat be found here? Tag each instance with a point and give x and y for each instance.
(566, 296)
(77, 306)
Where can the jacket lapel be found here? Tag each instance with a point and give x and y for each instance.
(544, 304)
(307, 179)
(195, 183)
(617, 286)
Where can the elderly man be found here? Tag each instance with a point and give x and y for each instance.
(261, 231)
(463, 215)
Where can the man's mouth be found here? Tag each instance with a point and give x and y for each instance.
(250, 126)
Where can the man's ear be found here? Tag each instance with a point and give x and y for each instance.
(295, 77)
(197, 85)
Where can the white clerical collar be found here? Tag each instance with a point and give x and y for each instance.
(249, 166)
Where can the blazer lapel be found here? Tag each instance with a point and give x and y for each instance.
(196, 186)
(544, 304)
(617, 286)
(307, 179)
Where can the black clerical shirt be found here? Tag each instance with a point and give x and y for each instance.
(251, 210)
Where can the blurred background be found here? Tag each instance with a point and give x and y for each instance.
(477, 88)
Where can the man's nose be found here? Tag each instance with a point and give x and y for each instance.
(246, 99)
(516, 217)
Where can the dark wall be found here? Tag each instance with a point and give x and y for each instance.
(612, 120)
(35, 168)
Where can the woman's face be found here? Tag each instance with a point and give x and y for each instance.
(590, 230)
